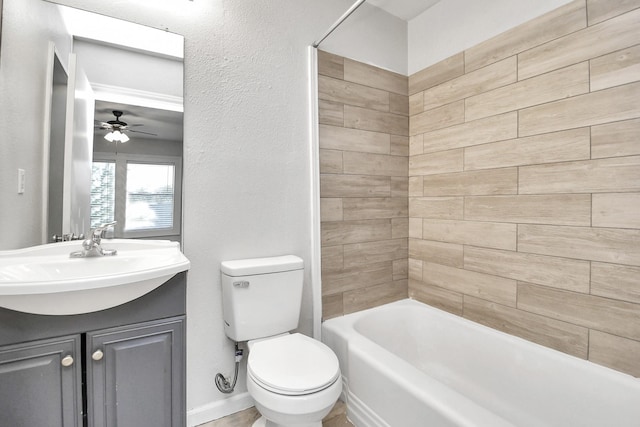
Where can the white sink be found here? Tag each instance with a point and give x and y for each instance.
(45, 280)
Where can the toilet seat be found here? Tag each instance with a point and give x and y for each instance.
(292, 365)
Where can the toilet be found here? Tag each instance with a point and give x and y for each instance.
(293, 379)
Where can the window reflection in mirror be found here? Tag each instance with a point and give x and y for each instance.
(142, 193)
(155, 143)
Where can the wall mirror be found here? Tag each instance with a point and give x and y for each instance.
(73, 78)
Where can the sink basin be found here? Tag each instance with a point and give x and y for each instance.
(45, 280)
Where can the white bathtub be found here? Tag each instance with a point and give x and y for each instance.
(407, 364)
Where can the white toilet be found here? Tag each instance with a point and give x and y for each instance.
(293, 379)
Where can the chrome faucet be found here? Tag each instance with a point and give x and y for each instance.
(91, 246)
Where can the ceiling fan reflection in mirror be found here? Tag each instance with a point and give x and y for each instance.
(118, 129)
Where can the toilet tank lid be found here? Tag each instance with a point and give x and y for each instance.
(248, 267)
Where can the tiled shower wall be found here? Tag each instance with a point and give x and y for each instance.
(524, 182)
(364, 149)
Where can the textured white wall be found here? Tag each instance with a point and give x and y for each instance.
(451, 26)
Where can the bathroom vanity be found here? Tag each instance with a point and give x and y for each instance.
(122, 366)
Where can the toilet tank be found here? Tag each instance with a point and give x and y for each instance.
(261, 297)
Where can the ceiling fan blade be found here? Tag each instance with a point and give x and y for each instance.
(139, 131)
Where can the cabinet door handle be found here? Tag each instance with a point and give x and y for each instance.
(97, 355)
(67, 361)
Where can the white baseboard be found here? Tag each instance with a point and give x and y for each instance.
(218, 409)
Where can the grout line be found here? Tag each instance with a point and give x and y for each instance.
(586, 14)
(591, 142)
(591, 210)
(590, 275)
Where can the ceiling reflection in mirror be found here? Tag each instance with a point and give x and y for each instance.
(133, 70)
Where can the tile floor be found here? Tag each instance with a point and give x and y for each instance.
(336, 418)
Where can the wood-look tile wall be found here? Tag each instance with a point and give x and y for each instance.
(524, 182)
(364, 149)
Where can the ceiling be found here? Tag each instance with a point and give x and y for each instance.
(165, 124)
(404, 9)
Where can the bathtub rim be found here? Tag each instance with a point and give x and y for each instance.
(349, 320)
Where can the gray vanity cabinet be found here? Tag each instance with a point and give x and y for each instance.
(120, 367)
(40, 383)
(135, 375)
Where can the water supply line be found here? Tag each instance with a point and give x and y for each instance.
(222, 383)
(352, 9)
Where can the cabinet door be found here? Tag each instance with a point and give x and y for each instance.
(135, 375)
(40, 383)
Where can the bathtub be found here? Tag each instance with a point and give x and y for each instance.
(407, 364)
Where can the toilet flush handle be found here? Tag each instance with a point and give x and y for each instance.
(241, 284)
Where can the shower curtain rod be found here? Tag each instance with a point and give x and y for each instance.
(352, 9)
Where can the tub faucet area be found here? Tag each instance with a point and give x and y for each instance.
(91, 246)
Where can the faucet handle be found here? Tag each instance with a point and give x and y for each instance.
(108, 224)
(99, 231)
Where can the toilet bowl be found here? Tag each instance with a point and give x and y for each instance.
(293, 379)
